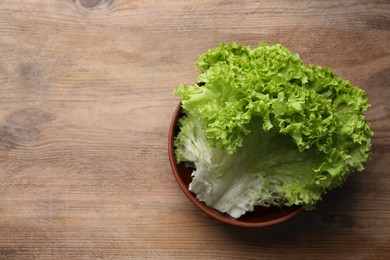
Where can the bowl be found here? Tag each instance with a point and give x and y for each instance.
(259, 217)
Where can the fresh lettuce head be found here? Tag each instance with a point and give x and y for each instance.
(264, 128)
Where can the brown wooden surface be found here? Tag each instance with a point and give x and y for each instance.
(85, 105)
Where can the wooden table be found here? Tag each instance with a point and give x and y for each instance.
(86, 102)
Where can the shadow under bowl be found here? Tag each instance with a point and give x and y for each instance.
(259, 217)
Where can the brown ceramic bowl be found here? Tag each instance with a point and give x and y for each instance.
(260, 217)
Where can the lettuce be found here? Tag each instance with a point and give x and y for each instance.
(266, 129)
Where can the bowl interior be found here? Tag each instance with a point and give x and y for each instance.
(261, 216)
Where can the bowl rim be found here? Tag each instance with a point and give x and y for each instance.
(223, 217)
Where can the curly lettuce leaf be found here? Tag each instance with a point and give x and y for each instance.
(270, 87)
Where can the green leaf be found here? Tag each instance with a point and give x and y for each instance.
(318, 115)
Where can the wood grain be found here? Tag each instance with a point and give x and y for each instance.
(85, 105)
